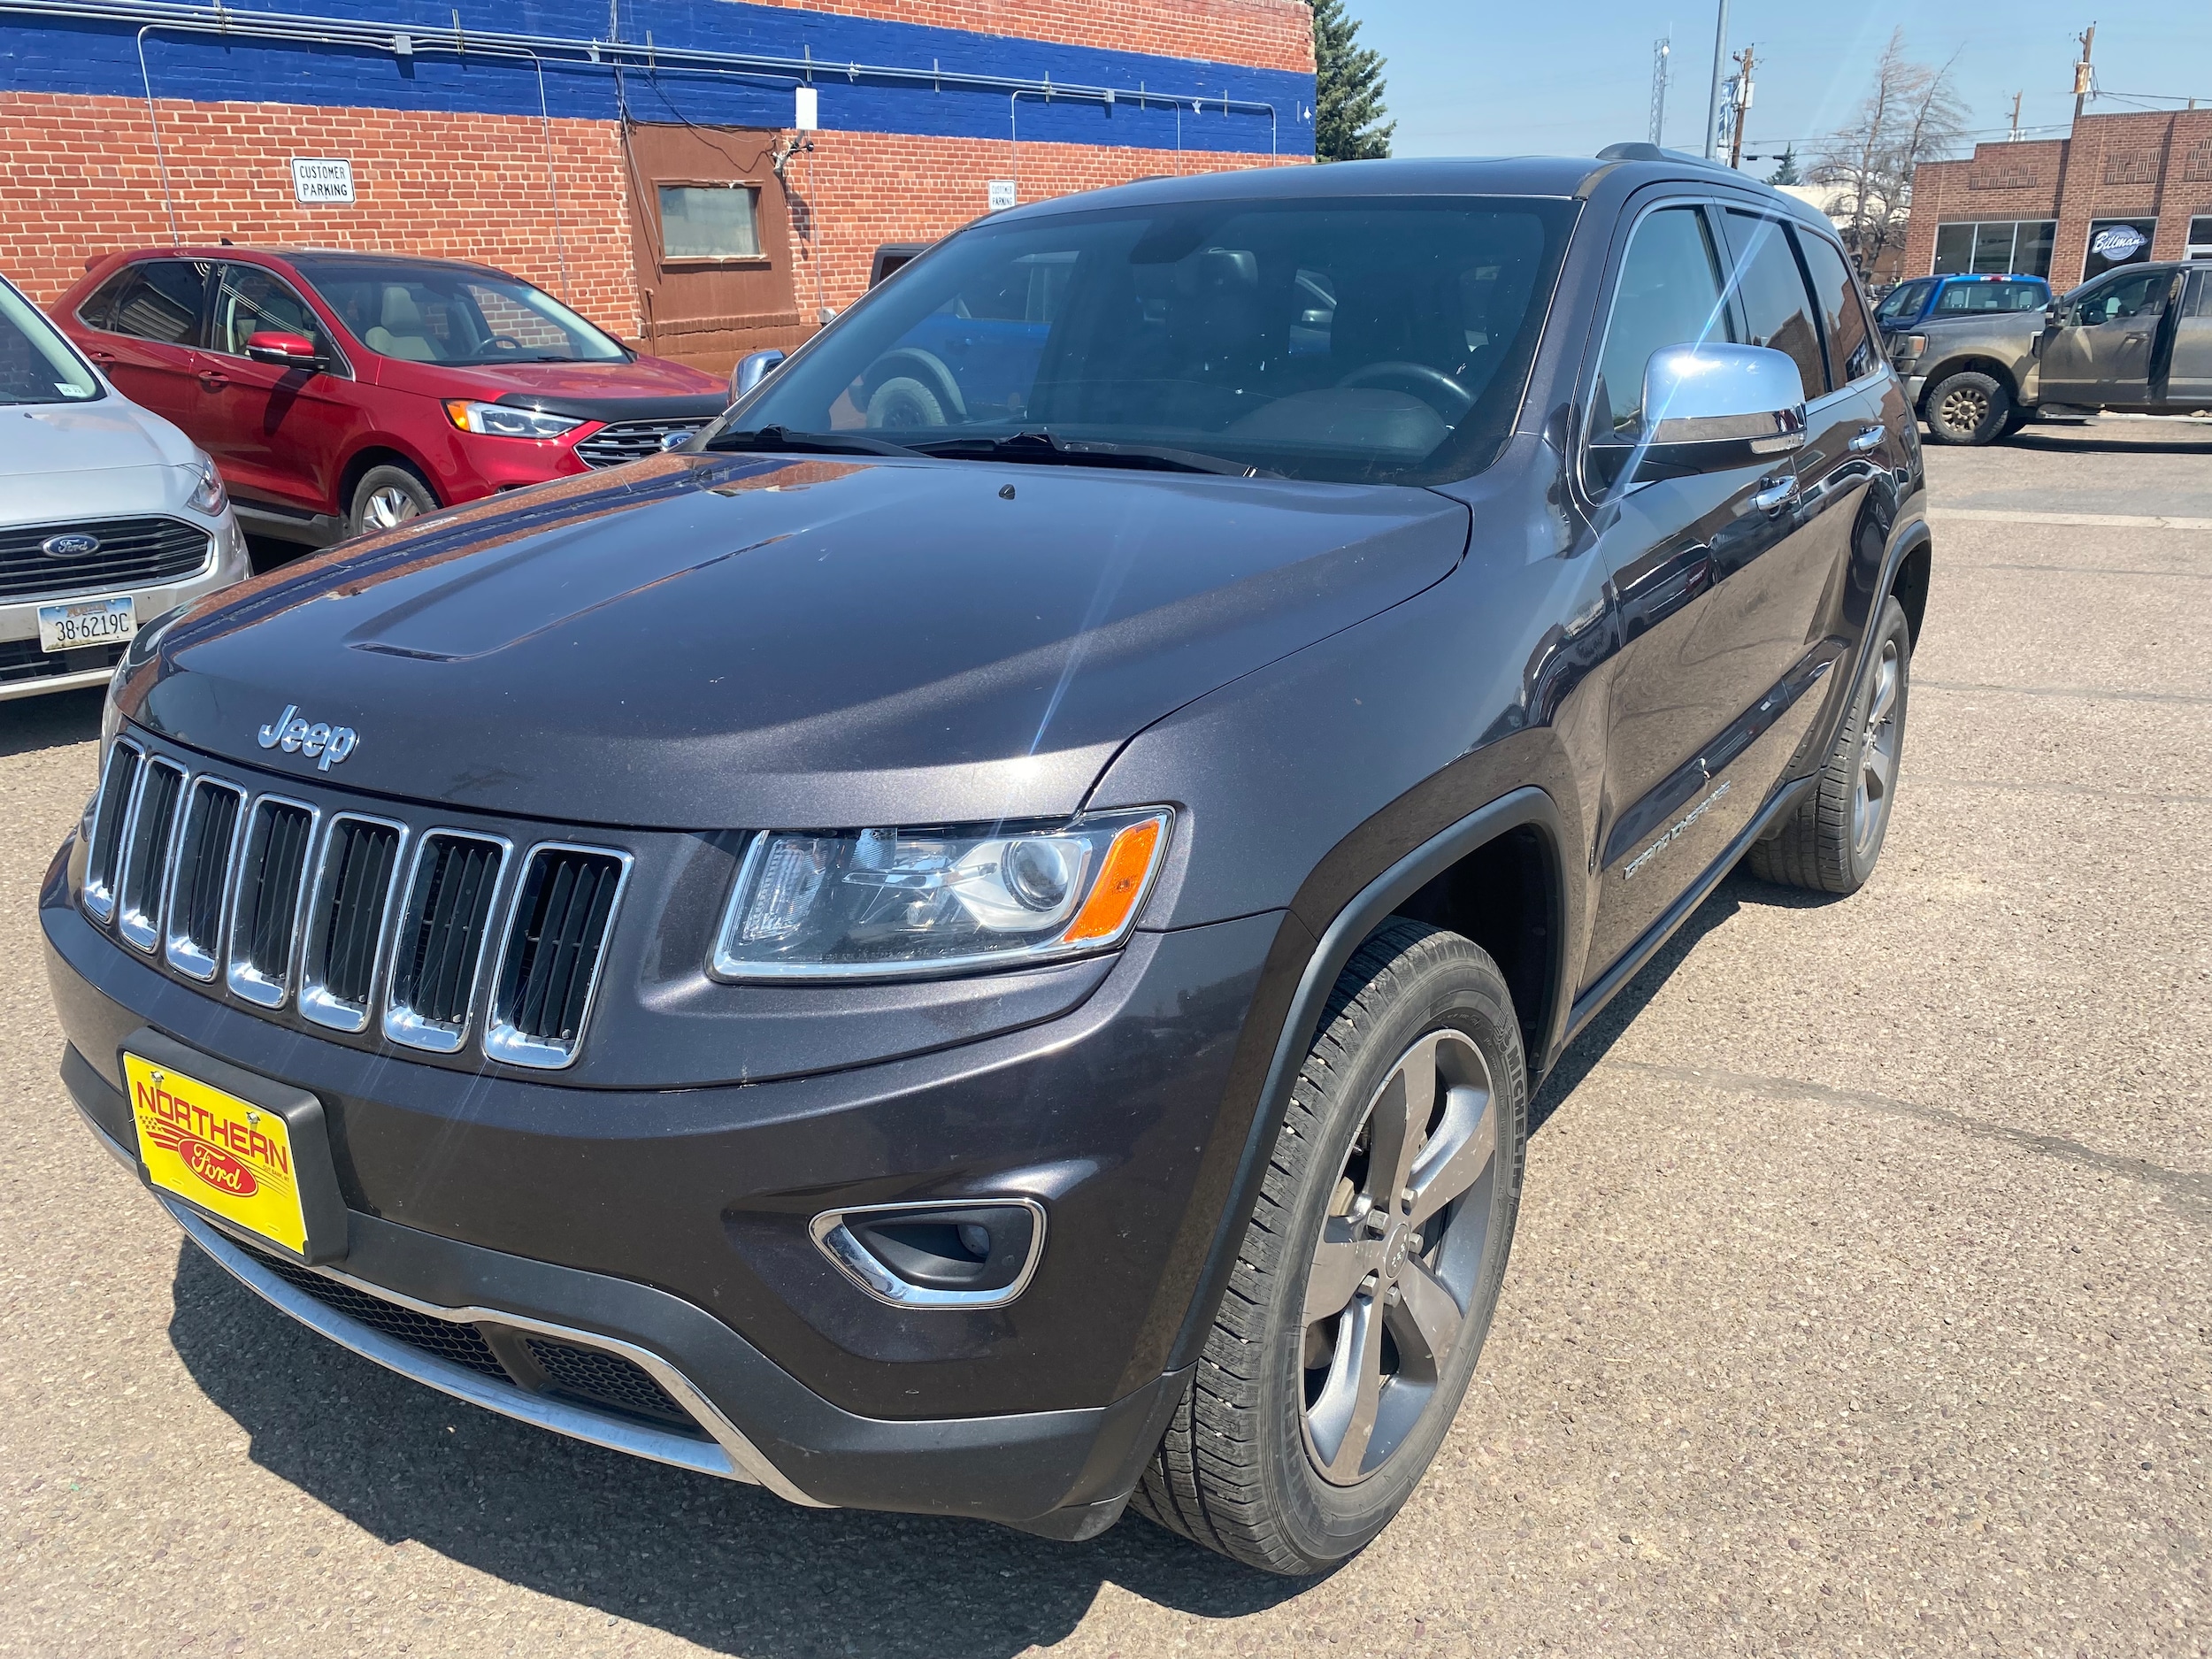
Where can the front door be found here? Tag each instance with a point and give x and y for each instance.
(2189, 371)
(275, 432)
(711, 222)
(2098, 353)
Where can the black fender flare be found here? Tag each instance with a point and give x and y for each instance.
(1365, 912)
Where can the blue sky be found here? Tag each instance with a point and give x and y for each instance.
(1567, 78)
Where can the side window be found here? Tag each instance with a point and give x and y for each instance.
(1842, 318)
(1668, 294)
(163, 301)
(2143, 295)
(251, 301)
(97, 311)
(2200, 303)
(1777, 308)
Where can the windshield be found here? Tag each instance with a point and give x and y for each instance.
(36, 365)
(438, 313)
(1905, 300)
(1991, 297)
(1354, 341)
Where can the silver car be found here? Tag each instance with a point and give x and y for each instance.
(109, 517)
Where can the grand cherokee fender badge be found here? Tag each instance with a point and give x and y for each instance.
(325, 744)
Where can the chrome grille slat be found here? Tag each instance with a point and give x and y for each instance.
(557, 934)
(348, 919)
(339, 912)
(265, 911)
(443, 933)
(132, 553)
(148, 842)
(633, 439)
(199, 885)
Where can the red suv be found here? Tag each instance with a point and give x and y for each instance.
(343, 392)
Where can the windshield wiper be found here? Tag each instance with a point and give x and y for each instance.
(782, 439)
(1040, 445)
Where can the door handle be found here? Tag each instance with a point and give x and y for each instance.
(2133, 339)
(213, 381)
(1869, 438)
(1775, 494)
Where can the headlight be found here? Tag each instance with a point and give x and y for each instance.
(505, 420)
(882, 903)
(1911, 346)
(207, 495)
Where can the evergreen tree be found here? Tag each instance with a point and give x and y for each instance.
(1348, 91)
(1785, 170)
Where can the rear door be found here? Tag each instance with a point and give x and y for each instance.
(276, 432)
(2100, 352)
(2189, 371)
(150, 332)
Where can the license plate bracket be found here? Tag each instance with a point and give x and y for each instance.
(77, 624)
(242, 1149)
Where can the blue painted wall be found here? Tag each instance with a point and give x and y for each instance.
(74, 56)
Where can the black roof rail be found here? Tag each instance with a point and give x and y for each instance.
(1653, 152)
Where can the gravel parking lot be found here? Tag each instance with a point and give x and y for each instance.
(1861, 1302)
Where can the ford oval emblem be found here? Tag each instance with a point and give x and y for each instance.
(74, 545)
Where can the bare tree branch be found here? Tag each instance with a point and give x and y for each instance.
(1913, 115)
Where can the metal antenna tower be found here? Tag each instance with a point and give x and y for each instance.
(1661, 50)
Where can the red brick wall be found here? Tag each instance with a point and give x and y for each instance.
(79, 176)
(1265, 34)
(2150, 164)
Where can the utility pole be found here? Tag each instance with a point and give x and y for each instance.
(1742, 103)
(1661, 51)
(2016, 96)
(2082, 81)
(1720, 67)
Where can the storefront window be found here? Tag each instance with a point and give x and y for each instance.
(2118, 241)
(2000, 247)
(2199, 239)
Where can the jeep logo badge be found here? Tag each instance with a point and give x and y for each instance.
(325, 744)
(73, 545)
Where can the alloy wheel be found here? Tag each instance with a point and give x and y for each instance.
(1965, 408)
(388, 506)
(1400, 1252)
(1877, 752)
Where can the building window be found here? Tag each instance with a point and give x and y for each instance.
(2001, 247)
(2199, 239)
(2118, 241)
(709, 221)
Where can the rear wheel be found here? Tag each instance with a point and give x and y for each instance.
(1370, 1268)
(1967, 408)
(387, 497)
(1830, 842)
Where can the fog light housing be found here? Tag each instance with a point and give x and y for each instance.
(976, 1255)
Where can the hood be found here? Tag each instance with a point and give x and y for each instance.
(651, 381)
(704, 641)
(47, 450)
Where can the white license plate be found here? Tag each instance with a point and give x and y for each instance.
(72, 625)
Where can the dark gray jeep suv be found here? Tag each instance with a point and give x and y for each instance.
(978, 941)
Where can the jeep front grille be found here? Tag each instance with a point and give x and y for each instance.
(338, 914)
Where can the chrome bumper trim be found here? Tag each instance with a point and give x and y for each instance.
(728, 1456)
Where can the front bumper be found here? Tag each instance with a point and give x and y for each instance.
(669, 1232)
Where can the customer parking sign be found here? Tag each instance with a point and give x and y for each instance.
(325, 179)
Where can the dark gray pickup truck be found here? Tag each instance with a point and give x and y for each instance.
(2136, 340)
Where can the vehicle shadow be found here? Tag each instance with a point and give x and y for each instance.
(728, 1567)
(1741, 889)
(56, 721)
(2089, 443)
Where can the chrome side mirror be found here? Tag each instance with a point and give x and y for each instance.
(752, 369)
(1709, 408)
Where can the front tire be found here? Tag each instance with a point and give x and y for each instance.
(1370, 1268)
(1830, 844)
(1969, 408)
(388, 496)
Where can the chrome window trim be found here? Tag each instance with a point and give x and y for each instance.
(240, 977)
(502, 1042)
(186, 955)
(402, 1024)
(140, 929)
(316, 1001)
(98, 898)
(851, 1258)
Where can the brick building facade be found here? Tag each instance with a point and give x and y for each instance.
(570, 155)
(2123, 189)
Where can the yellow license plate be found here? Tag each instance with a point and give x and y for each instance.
(220, 1152)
